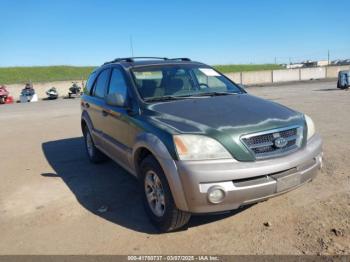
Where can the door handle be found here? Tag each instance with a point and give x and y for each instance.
(105, 113)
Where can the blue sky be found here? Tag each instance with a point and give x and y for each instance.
(89, 32)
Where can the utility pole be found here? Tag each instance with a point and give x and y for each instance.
(328, 57)
(275, 60)
(131, 47)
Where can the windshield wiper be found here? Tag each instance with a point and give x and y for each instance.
(166, 98)
(196, 95)
(215, 94)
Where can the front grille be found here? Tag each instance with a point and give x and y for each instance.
(275, 142)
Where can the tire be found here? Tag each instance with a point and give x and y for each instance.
(94, 154)
(168, 217)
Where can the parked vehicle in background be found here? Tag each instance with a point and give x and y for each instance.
(52, 93)
(293, 66)
(309, 63)
(74, 90)
(3, 94)
(343, 79)
(28, 94)
(196, 141)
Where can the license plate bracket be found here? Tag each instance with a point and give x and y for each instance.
(287, 182)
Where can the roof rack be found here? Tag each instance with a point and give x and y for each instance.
(181, 59)
(132, 59)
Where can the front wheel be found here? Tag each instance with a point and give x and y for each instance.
(158, 200)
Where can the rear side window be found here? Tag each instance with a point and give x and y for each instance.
(101, 83)
(117, 83)
(90, 83)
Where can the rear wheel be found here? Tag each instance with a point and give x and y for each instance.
(158, 200)
(94, 154)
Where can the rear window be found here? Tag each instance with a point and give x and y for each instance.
(90, 83)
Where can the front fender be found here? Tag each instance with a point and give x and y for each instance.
(161, 153)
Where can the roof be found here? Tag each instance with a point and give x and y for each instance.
(146, 61)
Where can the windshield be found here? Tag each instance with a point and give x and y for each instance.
(181, 81)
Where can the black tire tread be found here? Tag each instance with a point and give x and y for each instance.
(180, 218)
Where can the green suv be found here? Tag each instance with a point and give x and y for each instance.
(196, 141)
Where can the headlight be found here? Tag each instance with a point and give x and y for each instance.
(197, 147)
(310, 127)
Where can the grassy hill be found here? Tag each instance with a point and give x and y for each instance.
(11, 75)
(247, 67)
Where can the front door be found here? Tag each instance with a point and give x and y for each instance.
(118, 128)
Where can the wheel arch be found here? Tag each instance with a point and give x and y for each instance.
(149, 144)
(85, 121)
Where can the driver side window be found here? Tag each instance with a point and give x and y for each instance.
(101, 83)
(117, 83)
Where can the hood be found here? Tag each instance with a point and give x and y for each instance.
(233, 112)
(224, 118)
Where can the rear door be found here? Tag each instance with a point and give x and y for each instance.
(97, 103)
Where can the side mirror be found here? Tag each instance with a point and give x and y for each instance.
(115, 99)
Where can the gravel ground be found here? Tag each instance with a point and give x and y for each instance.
(50, 194)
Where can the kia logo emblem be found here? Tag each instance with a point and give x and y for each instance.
(280, 142)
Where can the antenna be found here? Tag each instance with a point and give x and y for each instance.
(131, 46)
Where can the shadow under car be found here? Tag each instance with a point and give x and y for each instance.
(105, 185)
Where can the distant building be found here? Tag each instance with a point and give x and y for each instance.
(311, 63)
(322, 63)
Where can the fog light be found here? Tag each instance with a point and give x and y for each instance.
(216, 195)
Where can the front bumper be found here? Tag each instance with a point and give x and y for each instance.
(247, 182)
